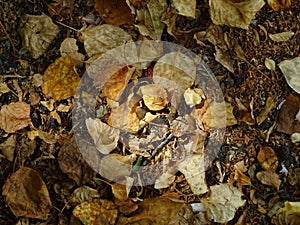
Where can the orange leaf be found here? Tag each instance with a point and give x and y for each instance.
(267, 158)
(278, 5)
(60, 79)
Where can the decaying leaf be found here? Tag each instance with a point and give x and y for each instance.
(148, 18)
(26, 194)
(193, 169)
(291, 71)
(101, 38)
(283, 36)
(267, 158)
(278, 5)
(83, 194)
(98, 211)
(154, 96)
(114, 12)
(15, 116)
(288, 215)
(223, 203)
(234, 13)
(60, 79)
(8, 148)
(185, 7)
(160, 211)
(105, 137)
(37, 33)
(70, 48)
(269, 178)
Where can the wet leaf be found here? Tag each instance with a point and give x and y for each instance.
(8, 148)
(269, 178)
(278, 5)
(15, 116)
(26, 185)
(37, 33)
(267, 158)
(149, 23)
(69, 48)
(154, 96)
(280, 37)
(101, 38)
(105, 137)
(223, 202)
(185, 7)
(98, 211)
(288, 215)
(60, 79)
(291, 71)
(234, 13)
(84, 194)
(114, 12)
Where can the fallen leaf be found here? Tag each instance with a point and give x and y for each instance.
(245, 112)
(15, 116)
(222, 57)
(119, 191)
(154, 96)
(164, 180)
(241, 178)
(149, 23)
(105, 137)
(160, 211)
(114, 12)
(37, 33)
(278, 5)
(84, 194)
(60, 79)
(269, 178)
(291, 71)
(288, 215)
(69, 48)
(283, 36)
(267, 158)
(185, 7)
(34, 97)
(26, 184)
(270, 105)
(4, 88)
(295, 138)
(270, 64)
(63, 8)
(98, 211)
(99, 39)
(223, 202)
(234, 13)
(8, 148)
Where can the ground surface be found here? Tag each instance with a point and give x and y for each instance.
(247, 89)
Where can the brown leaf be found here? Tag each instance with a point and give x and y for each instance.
(241, 178)
(26, 194)
(60, 79)
(15, 116)
(267, 158)
(154, 96)
(245, 112)
(278, 5)
(61, 7)
(8, 147)
(269, 178)
(114, 12)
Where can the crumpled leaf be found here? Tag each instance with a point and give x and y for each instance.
(15, 116)
(101, 38)
(269, 178)
(115, 166)
(278, 5)
(98, 211)
(60, 79)
(185, 7)
(149, 23)
(8, 148)
(283, 36)
(234, 13)
(288, 215)
(291, 71)
(160, 211)
(154, 96)
(223, 202)
(193, 168)
(267, 158)
(26, 194)
(105, 137)
(37, 33)
(83, 194)
(114, 12)
(241, 179)
(70, 48)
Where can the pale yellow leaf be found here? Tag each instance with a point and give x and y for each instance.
(291, 71)
(185, 7)
(283, 36)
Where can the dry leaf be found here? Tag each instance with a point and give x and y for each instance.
(69, 48)
(278, 5)
(289, 215)
(267, 158)
(295, 138)
(98, 211)
(83, 194)
(63, 8)
(269, 178)
(149, 23)
(37, 33)
(193, 168)
(26, 194)
(241, 178)
(15, 116)
(223, 202)
(99, 39)
(245, 112)
(164, 180)
(8, 148)
(154, 96)
(60, 79)
(270, 64)
(114, 12)
(280, 37)
(222, 57)
(119, 191)
(105, 137)
(270, 105)
(291, 71)
(4, 88)
(234, 13)
(193, 97)
(185, 7)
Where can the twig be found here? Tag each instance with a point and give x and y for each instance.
(10, 40)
